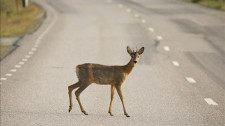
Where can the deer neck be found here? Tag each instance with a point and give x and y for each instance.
(129, 67)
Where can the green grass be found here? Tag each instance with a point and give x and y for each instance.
(217, 4)
(19, 21)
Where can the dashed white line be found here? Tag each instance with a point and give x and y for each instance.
(17, 66)
(143, 21)
(120, 5)
(136, 15)
(166, 48)
(39, 39)
(128, 10)
(33, 49)
(21, 63)
(151, 29)
(191, 80)
(175, 63)
(3, 79)
(13, 70)
(210, 101)
(27, 56)
(159, 37)
(8, 74)
(109, 1)
(24, 60)
(36, 46)
(31, 53)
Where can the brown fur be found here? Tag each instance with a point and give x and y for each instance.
(115, 76)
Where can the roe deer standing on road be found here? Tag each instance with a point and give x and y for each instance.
(106, 75)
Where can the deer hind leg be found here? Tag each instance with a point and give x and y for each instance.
(70, 89)
(77, 93)
(112, 97)
(118, 88)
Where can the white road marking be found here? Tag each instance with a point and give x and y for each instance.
(128, 10)
(143, 21)
(39, 38)
(159, 37)
(136, 15)
(210, 101)
(120, 5)
(24, 60)
(37, 42)
(3, 79)
(36, 46)
(31, 53)
(21, 63)
(27, 56)
(151, 29)
(8, 74)
(191, 80)
(175, 63)
(166, 48)
(33, 49)
(13, 70)
(18, 66)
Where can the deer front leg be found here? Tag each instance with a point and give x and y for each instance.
(70, 89)
(112, 97)
(118, 88)
(77, 93)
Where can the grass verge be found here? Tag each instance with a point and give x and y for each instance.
(17, 21)
(216, 4)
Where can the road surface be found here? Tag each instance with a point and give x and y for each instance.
(179, 80)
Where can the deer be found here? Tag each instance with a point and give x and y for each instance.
(115, 76)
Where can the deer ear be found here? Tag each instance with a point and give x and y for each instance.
(141, 50)
(129, 50)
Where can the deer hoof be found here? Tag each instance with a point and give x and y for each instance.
(70, 109)
(110, 114)
(127, 115)
(85, 113)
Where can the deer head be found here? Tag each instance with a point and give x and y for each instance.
(135, 54)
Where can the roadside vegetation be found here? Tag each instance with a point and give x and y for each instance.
(17, 21)
(217, 4)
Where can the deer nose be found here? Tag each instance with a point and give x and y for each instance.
(135, 61)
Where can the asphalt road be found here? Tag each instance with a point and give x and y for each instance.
(179, 80)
